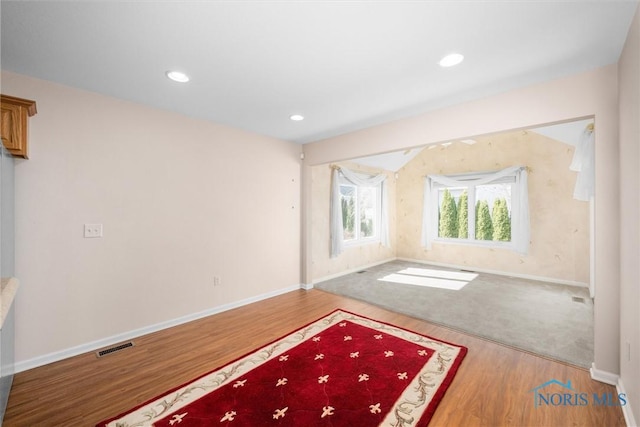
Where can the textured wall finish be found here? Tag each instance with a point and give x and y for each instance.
(559, 224)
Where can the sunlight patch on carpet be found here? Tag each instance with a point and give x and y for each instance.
(442, 279)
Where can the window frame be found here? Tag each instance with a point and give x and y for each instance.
(376, 237)
(471, 201)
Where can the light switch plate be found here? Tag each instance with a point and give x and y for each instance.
(92, 230)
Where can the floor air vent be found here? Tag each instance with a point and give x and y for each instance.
(577, 299)
(113, 349)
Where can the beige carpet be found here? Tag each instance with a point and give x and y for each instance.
(549, 319)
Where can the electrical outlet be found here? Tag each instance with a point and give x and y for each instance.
(217, 281)
(92, 230)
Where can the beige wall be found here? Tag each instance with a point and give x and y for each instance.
(629, 74)
(593, 93)
(181, 201)
(559, 224)
(355, 256)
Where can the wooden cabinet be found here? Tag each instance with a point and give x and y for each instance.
(13, 128)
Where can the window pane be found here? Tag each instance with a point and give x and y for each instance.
(493, 212)
(348, 201)
(367, 208)
(452, 213)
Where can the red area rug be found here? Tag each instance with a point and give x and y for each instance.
(341, 370)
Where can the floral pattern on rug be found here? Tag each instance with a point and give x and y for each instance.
(341, 370)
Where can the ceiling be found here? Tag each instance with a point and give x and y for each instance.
(567, 133)
(343, 65)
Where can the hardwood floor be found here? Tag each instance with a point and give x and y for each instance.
(492, 388)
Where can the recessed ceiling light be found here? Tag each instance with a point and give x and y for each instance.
(178, 76)
(451, 60)
(296, 117)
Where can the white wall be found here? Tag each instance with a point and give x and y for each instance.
(592, 93)
(181, 201)
(629, 75)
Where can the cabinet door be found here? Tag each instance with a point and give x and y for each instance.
(13, 124)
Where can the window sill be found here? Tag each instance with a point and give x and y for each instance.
(477, 243)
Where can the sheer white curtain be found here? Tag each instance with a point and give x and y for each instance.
(584, 163)
(335, 219)
(519, 198)
(429, 199)
(336, 233)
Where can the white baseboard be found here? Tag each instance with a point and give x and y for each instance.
(498, 273)
(629, 419)
(306, 286)
(351, 270)
(603, 376)
(105, 342)
(455, 266)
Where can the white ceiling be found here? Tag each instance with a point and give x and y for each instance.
(343, 65)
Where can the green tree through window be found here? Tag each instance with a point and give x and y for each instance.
(463, 216)
(448, 216)
(484, 226)
(348, 216)
(501, 221)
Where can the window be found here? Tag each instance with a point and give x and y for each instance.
(359, 209)
(488, 209)
(490, 220)
(360, 212)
